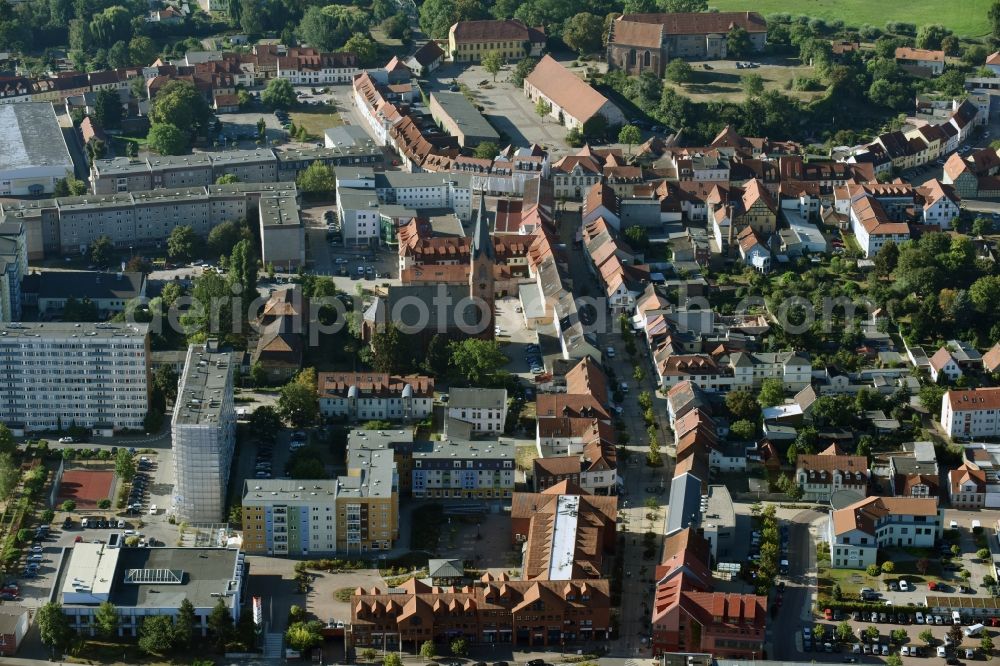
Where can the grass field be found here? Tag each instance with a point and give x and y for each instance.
(723, 81)
(316, 119)
(966, 18)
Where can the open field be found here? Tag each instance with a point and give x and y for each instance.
(315, 121)
(966, 18)
(723, 81)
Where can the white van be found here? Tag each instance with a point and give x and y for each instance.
(85, 523)
(976, 525)
(974, 630)
(956, 617)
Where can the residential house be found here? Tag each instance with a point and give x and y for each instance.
(426, 59)
(944, 365)
(915, 472)
(939, 202)
(821, 475)
(967, 487)
(991, 359)
(920, 62)
(371, 396)
(856, 532)
(484, 409)
(971, 413)
(753, 251)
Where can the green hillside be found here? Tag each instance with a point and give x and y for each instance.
(967, 18)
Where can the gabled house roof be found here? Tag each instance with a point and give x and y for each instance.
(567, 90)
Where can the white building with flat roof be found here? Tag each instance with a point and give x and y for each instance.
(203, 431)
(57, 374)
(33, 152)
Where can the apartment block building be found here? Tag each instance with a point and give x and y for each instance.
(856, 532)
(354, 513)
(367, 396)
(203, 430)
(450, 468)
(256, 165)
(495, 610)
(469, 41)
(13, 268)
(971, 413)
(57, 374)
(69, 225)
(485, 410)
(823, 474)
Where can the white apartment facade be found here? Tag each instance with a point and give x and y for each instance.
(203, 432)
(749, 370)
(485, 409)
(971, 413)
(57, 374)
(856, 532)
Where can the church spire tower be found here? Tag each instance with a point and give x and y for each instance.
(482, 259)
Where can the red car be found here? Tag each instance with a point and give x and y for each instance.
(932, 585)
(828, 614)
(78, 539)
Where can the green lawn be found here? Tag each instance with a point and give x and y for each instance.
(967, 18)
(316, 119)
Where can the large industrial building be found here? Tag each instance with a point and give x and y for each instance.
(57, 374)
(204, 434)
(33, 153)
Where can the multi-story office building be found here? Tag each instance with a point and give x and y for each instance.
(354, 513)
(484, 409)
(971, 413)
(57, 374)
(203, 431)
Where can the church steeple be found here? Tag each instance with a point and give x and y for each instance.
(482, 260)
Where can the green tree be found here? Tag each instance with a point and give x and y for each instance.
(487, 150)
(156, 634)
(679, 71)
(772, 392)
(225, 236)
(397, 26)
(743, 430)
(182, 243)
(437, 358)
(844, 631)
(101, 252)
(873, 570)
(124, 465)
(53, 626)
(303, 636)
(738, 43)
(629, 135)
(265, 422)
(250, 18)
(983, 554)
(894, 659)
(956, 635)
(492, 62)
(184, 625)
(391, 351)
(583, 33)
(392, 659)
(792, 454)
(298, 401)
(653, 458)
(886, 259)
(141, 50)
(982, 226)
(742, 405)
(460, 647)
(684, 5)
(888, 567)
(476, 361)
(543, 108)
(427, 650)
(317, 178)
(68, 505)
(220, 623)
(108, 109)
(926, 636)
(369, 654)
(181, 104)
(752, 84)
(930, 36)
(364, 47)
(166, 139)
(986, 644)
(985, 294)
(279, 94)
(106, 619)
(437, 16)
(328, 28)
(226, 179)
(243, 270)
(521, 70)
